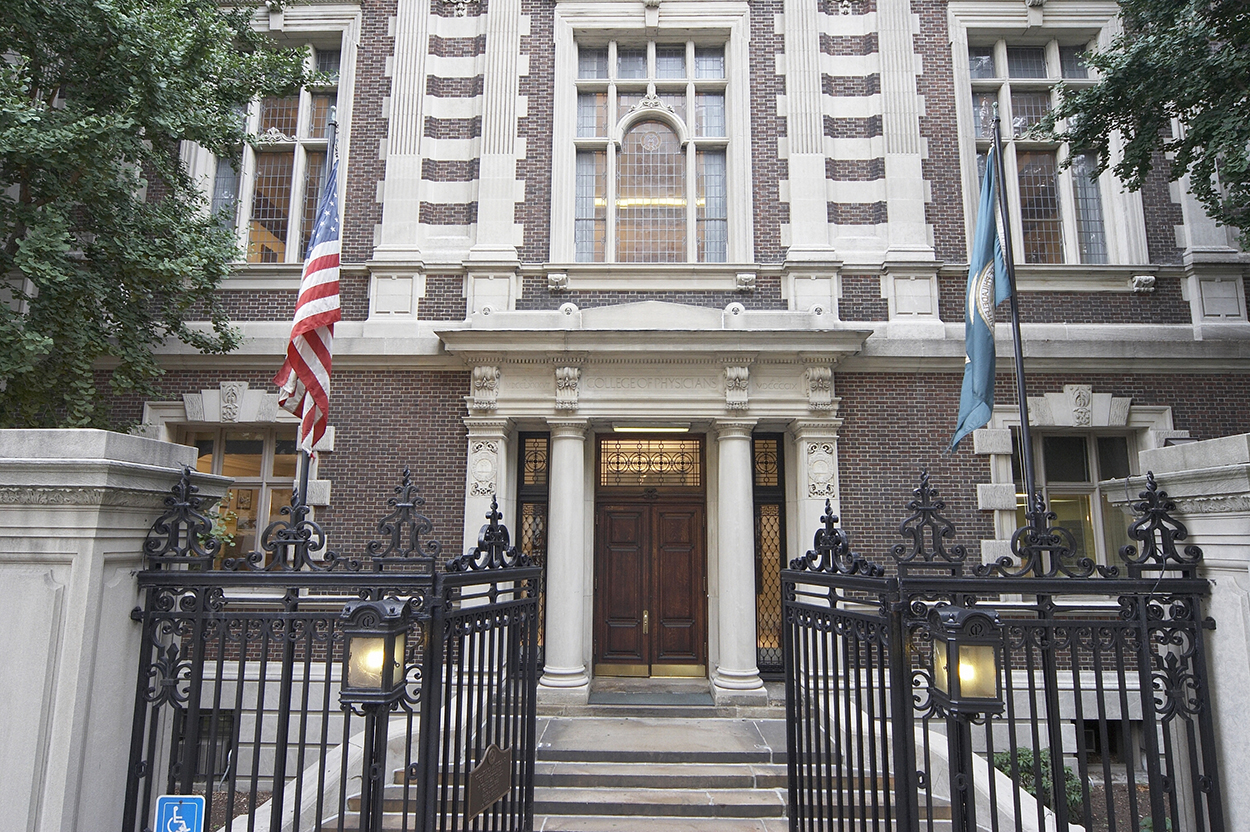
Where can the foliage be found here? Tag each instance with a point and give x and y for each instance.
(1187, 60)
(106, 245)
(1072, 790)
(225, 521)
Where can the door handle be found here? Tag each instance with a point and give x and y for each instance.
(646, 622)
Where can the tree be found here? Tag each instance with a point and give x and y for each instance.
(108, 247)
(1187, 60)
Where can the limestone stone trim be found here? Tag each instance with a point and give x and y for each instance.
(485, 387)
(819, 384)
(566, 387)
(737, 387)
(70, 496)
(821, 467)
(483, 467)
(1078, 406)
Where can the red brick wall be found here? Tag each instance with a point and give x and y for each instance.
(538, 87)
(1162, 306)
(945, 209)
(766, 125)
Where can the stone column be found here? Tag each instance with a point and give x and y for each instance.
(565, 680)
(737, 677)
(1210, 483)
(74, 510)
(488, 448)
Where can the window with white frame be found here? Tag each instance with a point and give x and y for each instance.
(651, 153)
(1069, 468)
(1060, 215)
(263, 463)
(273, 196)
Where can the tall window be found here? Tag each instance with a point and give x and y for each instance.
(263, 463)
(1060, 217)
(280, 178)
(1068, 469)
(651, 145)
(769, 493)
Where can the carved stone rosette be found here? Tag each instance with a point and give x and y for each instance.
(737, 384)
(485, 387)
(567, 379)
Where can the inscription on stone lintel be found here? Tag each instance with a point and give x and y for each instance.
(490, 780)
(651, 384)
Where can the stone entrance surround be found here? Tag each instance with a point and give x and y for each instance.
(725, 374)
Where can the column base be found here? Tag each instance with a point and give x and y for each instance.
(738, 687)
(564, 686)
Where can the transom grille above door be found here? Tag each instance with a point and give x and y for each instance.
(639, 462)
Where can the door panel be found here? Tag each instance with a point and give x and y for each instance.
(623, 566)
(649, 578)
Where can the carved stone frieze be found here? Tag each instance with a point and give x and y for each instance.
(485, 387)
(232, 393)
(483, 467)
(821, 467)
(819, 384)
(737, 385)
(567, 379)
(85, 496)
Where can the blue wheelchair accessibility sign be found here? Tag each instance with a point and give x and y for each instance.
(179, 813)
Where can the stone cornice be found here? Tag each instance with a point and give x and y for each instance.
(79, 496)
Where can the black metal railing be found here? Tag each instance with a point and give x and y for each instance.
(241, 670)
(1100, 716)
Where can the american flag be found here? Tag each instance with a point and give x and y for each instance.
(304, 379)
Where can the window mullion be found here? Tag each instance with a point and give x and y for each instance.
(692, 210)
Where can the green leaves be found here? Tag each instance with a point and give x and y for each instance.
(107, 248)
(1187, 62)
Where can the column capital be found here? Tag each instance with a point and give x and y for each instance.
(478, 426)
(568, 428)
(815, 429)
(734, 428)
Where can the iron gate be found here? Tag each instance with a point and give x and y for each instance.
(242, 666)
(1100, 717)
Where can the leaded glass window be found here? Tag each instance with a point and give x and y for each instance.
(638, 199)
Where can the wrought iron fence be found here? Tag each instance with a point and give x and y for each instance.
(1093, 714)
(242, 667)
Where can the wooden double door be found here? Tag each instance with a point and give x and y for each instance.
(650, 588)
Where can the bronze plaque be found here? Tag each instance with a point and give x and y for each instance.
(489, 780)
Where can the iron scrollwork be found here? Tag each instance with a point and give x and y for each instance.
(928, 530)
(831, 551)
(1158, 533)
(182, 534)
(493, 550)
(402, 529)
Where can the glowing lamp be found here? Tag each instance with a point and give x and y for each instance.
(967, 660)
(373, 660)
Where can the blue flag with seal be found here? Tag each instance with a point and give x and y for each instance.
(987, 287)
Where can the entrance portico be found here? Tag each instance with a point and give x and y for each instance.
(719, 376)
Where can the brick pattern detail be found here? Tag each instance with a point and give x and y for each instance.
(857, 213)
(454, 87)
(1162, 214)
(538, 88)
(861, 299)
(536, 295)
(449, 170)
(444, 298)
(354, 296)
(855, 170)
(259, 306)
(365, 168)
(766, 126)
(841, 86)
(941, 166)
(453, 128)
(457, 47)
(852, 128)
(440, 213)
(1163, 306)
(850, 45)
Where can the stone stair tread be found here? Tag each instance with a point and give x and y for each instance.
(659, 802)
(705, 775)
(624, 823)
(628, 739)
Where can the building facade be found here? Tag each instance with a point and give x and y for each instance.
(666, 276)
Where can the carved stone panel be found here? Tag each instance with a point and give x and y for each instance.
(821, 468)
(819, 381)
(485, 387)
(737, 384)
(567, 379)
(483, 468)
(232, 393)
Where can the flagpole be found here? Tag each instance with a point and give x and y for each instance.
(1026, 438)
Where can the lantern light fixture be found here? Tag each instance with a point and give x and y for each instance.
(970, 642)
(373, 659)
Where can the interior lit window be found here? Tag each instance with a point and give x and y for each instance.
(1060, 217)
(638, 201)
(1069, 468)
(263, 464)
(273, 195)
